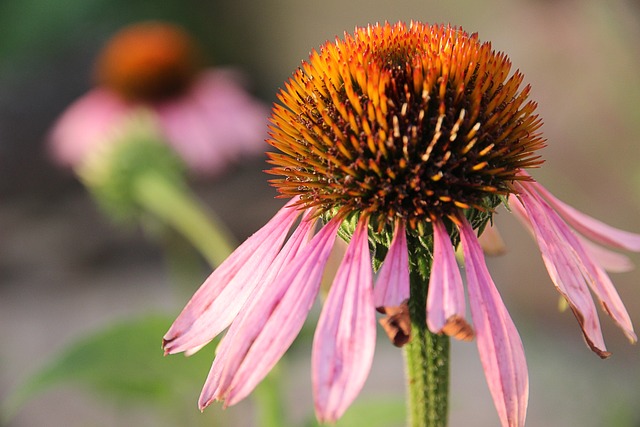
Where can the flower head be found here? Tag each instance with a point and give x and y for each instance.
(205, 115)
(412, 123)
(148, 62)
(403, 139)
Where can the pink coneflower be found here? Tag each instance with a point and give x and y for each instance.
(403, 139)
(206, 115)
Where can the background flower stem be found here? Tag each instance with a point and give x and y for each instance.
(427, 361)
(176, 206)
(180, 209)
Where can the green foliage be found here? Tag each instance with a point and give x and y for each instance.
(125, 363)
(33, 26)
(42, 27)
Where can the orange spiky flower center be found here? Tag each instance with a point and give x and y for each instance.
(413, 122)
(148, 62)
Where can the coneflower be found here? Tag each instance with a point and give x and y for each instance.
(204, 114)
(403, 139)
(155, 114)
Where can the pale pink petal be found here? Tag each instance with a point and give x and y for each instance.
(599, 282)
(594, 275)
(518, 210)
(86, 124)
(215, 123)
(214, 385)
(344, 341)
(607, 259)
(590, 227)
(499, 344)
(491, 241)
(243, 119)
(567, 273)
(445, 297)
(610, 300)
(614, 262)
(274, 323)
(234, 345)
(392, 283)
(214, 306)
(188, 131)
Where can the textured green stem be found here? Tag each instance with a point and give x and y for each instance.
(427, 362)
(178, 208)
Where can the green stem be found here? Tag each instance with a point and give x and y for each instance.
(427, 362)
(183, 260)
(179, 208)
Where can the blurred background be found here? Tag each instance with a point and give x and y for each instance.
(66, 271)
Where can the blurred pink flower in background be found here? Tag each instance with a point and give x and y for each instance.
(206, 115)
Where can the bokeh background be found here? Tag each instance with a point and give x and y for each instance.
(66, 270)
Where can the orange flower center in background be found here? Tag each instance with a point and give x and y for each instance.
(414, 122)
(148, 62)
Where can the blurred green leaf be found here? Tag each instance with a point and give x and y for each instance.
(32, 26)
(388, 412)
(123, 362)
(39, 27)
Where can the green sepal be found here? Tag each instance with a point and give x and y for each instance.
(112, 170)
(420, 240)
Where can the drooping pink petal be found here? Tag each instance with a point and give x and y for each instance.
(590, 227)
(445, 298)
(499, 345)
(491, 241)
(614, 262)
(594, 275)
(219, 299)
(344, 341)
(566, 271)
(234, 345)
(272, 326)
(599, 282)
(610, 300)
(85, 125)
(516, 207)
(392, 283)
(605, 258)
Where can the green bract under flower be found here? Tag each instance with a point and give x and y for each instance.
(403, 122)
(113, 172)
